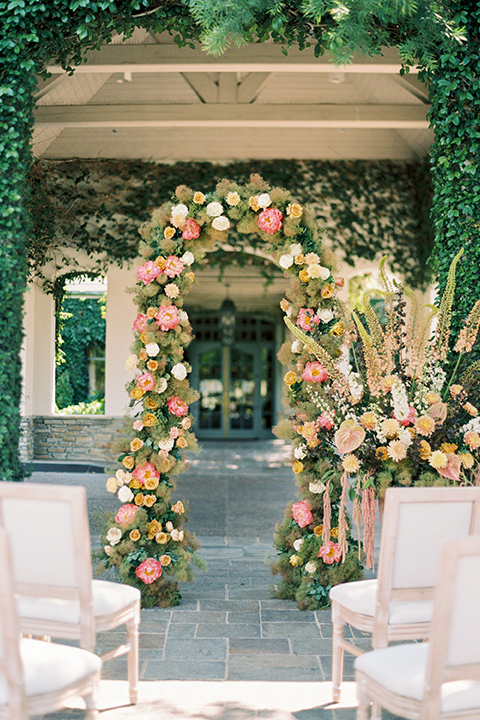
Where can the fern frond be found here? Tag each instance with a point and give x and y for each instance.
(383, 275)
(374, 325)
(442, 332)
(468, 377)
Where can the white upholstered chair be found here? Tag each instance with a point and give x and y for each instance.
(438, 679)
(398, 604)
(37, 677)
(51, 559)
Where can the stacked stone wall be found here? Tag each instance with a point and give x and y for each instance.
(85, 438)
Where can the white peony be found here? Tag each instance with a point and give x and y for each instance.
(179, 371)
(188, 258)
(152, 349)
(114, 535)
(298, 544)
(125, 494)
(178, 215)
(161, 385)
(264, 200)
(300, 452)
(286, 261)
(295, 249)
(325, 315)
(316, 488)
(131, 362)
(214, 209)
(166, 444)
(177, 535)
(311, 567)
(221, 223)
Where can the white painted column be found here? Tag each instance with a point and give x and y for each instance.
(38, 353)
(121, 312)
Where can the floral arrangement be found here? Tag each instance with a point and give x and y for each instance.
(383, 413)
(145, 540)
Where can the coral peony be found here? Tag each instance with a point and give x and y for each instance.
(148, 272)
(270, 220)
(349, 436)
(126, 515)
(140, 323)
(173, 266)
(146, 472)
(330, 553)
(177, 407)
(307, 319)
(149, 570)
(191, 230)
(314, 372)
(302, 513)
(146, 381)
(167, 317)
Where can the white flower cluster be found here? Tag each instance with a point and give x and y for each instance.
(220, 221)
(300, 452)
(473, 424)
(401, 407)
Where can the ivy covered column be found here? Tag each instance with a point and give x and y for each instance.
(17, 83)
(455, 158)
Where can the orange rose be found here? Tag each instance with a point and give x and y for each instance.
(327, 291)
(297, 467)
(149, 500)
(151, 483)
(253, 203)
(128, 462)
(165, 560)
(304, 276)
(139, 498)
(136, 444)
(182, 443)
(169, 232)
(134, 535)
(151, 404)
(153, 529)
(137, 393)
(150, 420)
(161, 262)
(152, 365)
(151, 312)
(290, 378)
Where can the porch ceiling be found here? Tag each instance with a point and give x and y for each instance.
(145, 98)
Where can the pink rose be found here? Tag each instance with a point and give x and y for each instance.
(138, 425)
(146, 381)
(173, 266)
(141, 323)
(149, 570)
(177, 407)
(192, 230)
(325, 421)
(146, 472)
(330, 553)
(302, 513)
(126, 515)
(148, 272)
(314, 372)
(174, 432)
(270, 220)
(167, 317)
(307, 319)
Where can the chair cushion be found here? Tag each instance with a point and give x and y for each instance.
(360, 597)
(401, 669)
(108, 597)
(49, 667)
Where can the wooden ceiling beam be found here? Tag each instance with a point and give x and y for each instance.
(235, 115)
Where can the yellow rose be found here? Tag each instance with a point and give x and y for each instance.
(139, 498)
(152, 365)
(165, 560)
(143, 337)
(337, 330)
(154, 528)
(199, 198)
(300, 259)
(182, 443)
(334, 532)
(327, 291)
(169, 232)
(303, 275)
(190, 276)
(468, 460)
(297, 467)
(294, 560)
(143, 354)
(294, 210)
(161, 261)
(151, 483)
(149, 500)
(112, 484)
(233, 198)
(424, 450)
(128, 462)
(150, 420)
(290, 378)
(318, 530)
(448, 447)
(161, 538)
(134, 484)
(253, 203)
(137, 393)
(136, 444)
(134, 535)
(151, 404)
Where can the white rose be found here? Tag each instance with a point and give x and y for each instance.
(286, 261)
(296, 249)
(169, 526)
(221, 223)
(179, 371)
(177, 535)
(311, 567)
(325, 315)
(264, 200)
(298, 544)
(324, 272)
(166, 444)
(214, 209)
(131, 362)
(178, 215)
(297, 346)
(161, 385)
(300, 452)
(316, 488)
(152, 349)
(125, 494)
(183, 316)
(108, 550)
(114, 535)
(120, 475)
(188, 258)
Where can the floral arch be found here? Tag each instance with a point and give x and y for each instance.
(146, 540)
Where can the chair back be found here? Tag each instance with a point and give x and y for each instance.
(416, 524)
(50, 545)
(11, 671)
(454, 652)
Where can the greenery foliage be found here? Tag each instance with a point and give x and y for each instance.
(369, 208)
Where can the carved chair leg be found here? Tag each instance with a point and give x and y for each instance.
(132, 659)
(337, 657)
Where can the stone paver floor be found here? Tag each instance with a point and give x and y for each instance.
(229, 651)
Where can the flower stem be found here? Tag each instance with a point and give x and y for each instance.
(452, 375)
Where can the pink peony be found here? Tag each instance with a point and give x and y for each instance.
(173, 266)
(126, 515)
(314, 372)
(325, 421)
(148, 272)
(146, 381)
(149, 570)
(177, 407)
(452, 468)
(411, 417)
(145, 472)
(167, 317)
(192, 230)
(302, 513)
(270, 220)
(307, 319)
(330, 553)
(141, 323)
